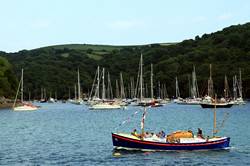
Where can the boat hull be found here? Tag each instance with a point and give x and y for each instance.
(25, 108)
(136, 144)
(229, 105)
(104, 107)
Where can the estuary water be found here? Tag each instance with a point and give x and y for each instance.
(67, 134)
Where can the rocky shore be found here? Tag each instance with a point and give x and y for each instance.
(5, 103)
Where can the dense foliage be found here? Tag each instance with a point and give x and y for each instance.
(8, 80)
(54, 67)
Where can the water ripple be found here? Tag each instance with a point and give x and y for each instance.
(65, 134)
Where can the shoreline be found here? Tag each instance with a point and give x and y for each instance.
(6, 105)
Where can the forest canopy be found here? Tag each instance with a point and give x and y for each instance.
(55, 67)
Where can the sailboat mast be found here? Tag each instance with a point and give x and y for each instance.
(98, 82)
(194, 88)
(159, 90)
(226, 88)
(94, 85)
(22, 87)
(151, 81)
(29, 96)
(132, 87)
(79, 88)
(122, 87)
(189, 87)
(234, 87)
(44, 94)
(17, 93)
(210, 83)
(41, 93)
(103, 84)
(177, 91)
(240, 85)
(195, 84)
(111, 91)
(117, 89)
(75, 91)
(141, 79)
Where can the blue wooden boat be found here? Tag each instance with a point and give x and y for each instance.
(179, 140)
(129, 142)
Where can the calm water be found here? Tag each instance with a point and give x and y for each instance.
(66, 134)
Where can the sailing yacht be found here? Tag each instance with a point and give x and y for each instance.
(208, 101)
(78, 100)
(25, 106)
(238, 100)
(155, 102)
(142, 101)
(177, 99)
(194, 92)
(103, 104)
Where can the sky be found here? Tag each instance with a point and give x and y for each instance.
(29, 24)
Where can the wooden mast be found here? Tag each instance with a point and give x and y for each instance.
(22, 87)
(79, 87)
(210, 83)
(151, 80)
(142, 122)
(17, 92)
(141, 80)
(214, 128)
(103, 84)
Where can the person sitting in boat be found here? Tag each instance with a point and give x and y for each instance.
(159, 134)
(199, 133)
(147, 135)
(134, 133)
(163, 134)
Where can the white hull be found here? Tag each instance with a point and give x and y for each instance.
(190, 102)
(105, 106)
(239, 101)
(25, 108)
(77, 102)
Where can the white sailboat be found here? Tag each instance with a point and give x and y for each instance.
(94, 95)
(78, 99)
(238, 100)
(194, 92)
(154, 102)
(208, 98)
(103, 104)
(25, 106)
(177, 99)
(142, 100)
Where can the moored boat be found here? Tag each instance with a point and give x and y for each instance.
(105, 106)
(130, 142)
(179, 140)
(209, 102)
(24, 106)
(217, 105)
